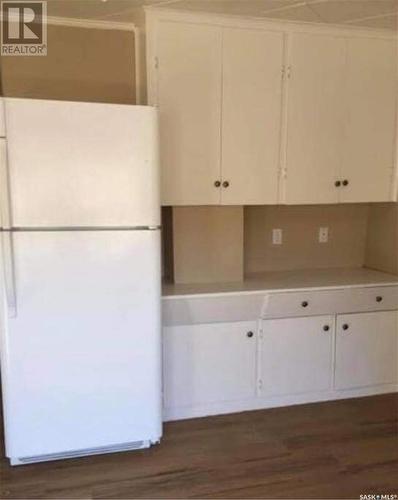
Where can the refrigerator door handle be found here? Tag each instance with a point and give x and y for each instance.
(9, 274)
(5, 199)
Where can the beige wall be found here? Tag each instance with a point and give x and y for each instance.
(208, 244)
(92, 65)
(382, 238)
(300, 224)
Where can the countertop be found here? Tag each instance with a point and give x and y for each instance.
(286, 280)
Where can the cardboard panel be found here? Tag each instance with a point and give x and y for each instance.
(208, 244)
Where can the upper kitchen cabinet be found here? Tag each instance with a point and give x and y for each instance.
(369, 121)
(189, 99)
(254, 111)
(315, 119)
(219, 92)
(251, 116)
(341, 113)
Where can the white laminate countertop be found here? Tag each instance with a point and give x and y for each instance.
(286, 280)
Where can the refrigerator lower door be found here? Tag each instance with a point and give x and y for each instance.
(81, 368)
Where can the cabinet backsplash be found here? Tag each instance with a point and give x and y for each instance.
(300, 225)
(359, 235)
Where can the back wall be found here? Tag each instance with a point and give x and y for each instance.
(83, 64)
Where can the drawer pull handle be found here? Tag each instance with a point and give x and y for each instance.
(326, 328)
(345, 327)
(217, 184)
(249, 334)
(225, 184)
(337, 184)
(345, 182)
(379, 298)
(304, 304)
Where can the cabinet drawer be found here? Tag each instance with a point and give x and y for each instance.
(383, 298)
(313, 303)
(197, 310)
(291, 304)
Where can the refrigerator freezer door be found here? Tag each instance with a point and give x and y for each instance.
(82, 164)
(81, 359)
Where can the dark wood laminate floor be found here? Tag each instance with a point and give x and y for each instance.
(327, 450)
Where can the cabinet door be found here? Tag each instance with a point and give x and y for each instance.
(315, 119)
(189, 99)
(209, 363)
(296, 355)
(368, 149)
(366, 349)
(251, 116)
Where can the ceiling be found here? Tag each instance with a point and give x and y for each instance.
(382, 14)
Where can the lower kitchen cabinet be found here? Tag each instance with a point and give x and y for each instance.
(295, 355)
(366, 349)
(209, 363)
(290, 347)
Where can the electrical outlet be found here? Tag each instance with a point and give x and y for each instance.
(323, 234)
(277, 237)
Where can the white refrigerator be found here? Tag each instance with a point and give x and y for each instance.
(80, 279)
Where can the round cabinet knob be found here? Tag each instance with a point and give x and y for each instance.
(249, 334)
(337, 184)
(345, 182)
(326, 328)
(304, 304)
(379, 298)
(225, 184)
(345, 326)
(217, 184)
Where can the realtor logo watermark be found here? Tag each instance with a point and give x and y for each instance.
(23, 28)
